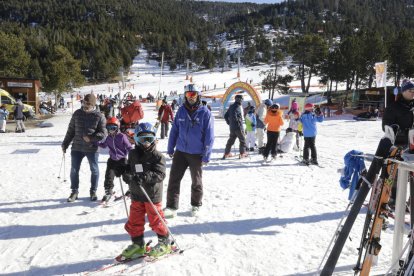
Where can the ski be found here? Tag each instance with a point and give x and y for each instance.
(372, 241)
(364, 184)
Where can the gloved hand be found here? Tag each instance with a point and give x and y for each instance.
(204, 164)
(128, 178)
(63, 149)
(171, 155)
(318, 111)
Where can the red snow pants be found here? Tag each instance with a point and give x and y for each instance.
(136, 221)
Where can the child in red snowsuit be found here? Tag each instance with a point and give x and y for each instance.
(146, 170)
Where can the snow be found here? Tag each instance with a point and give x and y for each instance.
(255, 220)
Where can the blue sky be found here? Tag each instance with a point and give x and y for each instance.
(252, 1)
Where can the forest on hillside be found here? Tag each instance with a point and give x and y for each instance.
(61, 42)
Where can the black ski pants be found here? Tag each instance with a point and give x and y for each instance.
(232, 138)
(164, 129)
(113, 168)
(272, 138)
(181, 161)
(309, 144)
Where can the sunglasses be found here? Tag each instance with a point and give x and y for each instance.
(191, 94)
(112, 127)
(144, 139)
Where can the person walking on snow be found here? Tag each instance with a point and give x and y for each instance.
(274, 122)
(3, 118)
(165, 116)
(119, 146)
(250, 121)
(189, 145)
(145, 170)
(19, 116)
(308, 120)
(294, 126)
(86, 129)
(234, 118)
(260, 126)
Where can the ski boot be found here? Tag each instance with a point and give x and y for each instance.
(227, 155)
(305, 162)
(314, 162)
(170, 213)
(93, 195)
(133, 251)
(243, 155)
(163, 247)
(107, 196)
(73, 196)
(195, 211)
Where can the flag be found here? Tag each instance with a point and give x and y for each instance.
(381, 74)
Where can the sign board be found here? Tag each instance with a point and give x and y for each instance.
(372, 92)
(20, 84)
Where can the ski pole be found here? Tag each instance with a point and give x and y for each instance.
(123, 196)
(159, 216)
(338, 229)
(61, 164)
(64, 168)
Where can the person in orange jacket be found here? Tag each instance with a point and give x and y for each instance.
(274, 123)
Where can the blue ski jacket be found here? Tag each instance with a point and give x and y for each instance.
(354, 165)
(309, 120)
(193, 134)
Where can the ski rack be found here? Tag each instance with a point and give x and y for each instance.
(404, 168)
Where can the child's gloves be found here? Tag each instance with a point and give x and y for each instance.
(318, 111)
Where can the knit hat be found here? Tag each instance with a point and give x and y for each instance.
(91, 99)
(309, 107)
(406, 85)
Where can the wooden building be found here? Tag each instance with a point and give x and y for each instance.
(23, 88)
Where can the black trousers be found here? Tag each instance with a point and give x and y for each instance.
(181, 161)
(272, 138)
(113, 168)
(232, 138)
(309, 144)
(164, 129)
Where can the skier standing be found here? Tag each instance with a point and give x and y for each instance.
(274, 122)
(189, 145)
(19, 116)
(234, 118)
(308, 120)
(260, 126)
(165, 116)
(250, 121)
(146, 168)
(119, 146)
(3, 118)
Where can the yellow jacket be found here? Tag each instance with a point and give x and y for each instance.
(274, 120)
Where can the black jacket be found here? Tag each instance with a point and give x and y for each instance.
(18, 112)
(153, 165)
(234, 117)
(399, 113)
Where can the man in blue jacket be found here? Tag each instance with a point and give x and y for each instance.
(189, 145)
(309, 119)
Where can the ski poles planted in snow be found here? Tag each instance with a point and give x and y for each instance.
(123, 196)
(159, 216)
(62, 163)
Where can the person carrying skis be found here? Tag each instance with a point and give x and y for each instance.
(308, 120)
(250, 121)
(234, 118)
(189, 145)
(399, 116)
(145, 170)
(260, 126)
(165, 116)
(119, 146)
(86, 128)
(274, 122)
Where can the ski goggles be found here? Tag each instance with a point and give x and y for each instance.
(112, 127)
(144, 139)
(191, 94)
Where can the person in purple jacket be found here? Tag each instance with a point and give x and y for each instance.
(119, 147)
(189, 145)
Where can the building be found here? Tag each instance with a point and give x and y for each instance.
(25, 89)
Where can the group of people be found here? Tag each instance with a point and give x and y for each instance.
(18, 116)
(142, 166)
(269, 119)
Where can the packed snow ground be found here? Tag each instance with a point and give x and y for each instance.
(256, 220)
